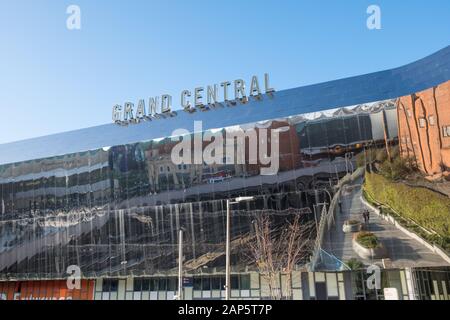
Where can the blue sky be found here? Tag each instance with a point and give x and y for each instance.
(53, 79)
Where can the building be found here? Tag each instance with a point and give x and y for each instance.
(110, 200)
(408, 284)
(424, 129)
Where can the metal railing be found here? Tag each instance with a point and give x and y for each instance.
(327, 220)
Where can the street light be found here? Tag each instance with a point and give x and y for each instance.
(180, 265)
(227, 249)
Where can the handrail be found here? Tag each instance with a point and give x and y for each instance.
(327, 217)
(379, 203)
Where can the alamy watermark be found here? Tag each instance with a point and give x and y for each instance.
(374, 20)
(73, 21)
(74, 279)
(373, 282)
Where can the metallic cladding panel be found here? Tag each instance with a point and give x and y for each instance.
(388, 84)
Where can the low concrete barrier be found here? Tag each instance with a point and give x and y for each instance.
(368, 254)
(347, 228)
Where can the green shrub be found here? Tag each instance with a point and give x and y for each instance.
(360, 159)
(381, 155)
(370, 155)
(425, 207)
(367, 240)
(395, 152)
(355, 264)
(398, 169)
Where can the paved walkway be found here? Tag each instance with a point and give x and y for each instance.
(402, 250)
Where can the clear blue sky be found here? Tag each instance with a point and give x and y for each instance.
(53, 79)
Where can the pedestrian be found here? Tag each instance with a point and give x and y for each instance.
(368, 215)
(365, 216)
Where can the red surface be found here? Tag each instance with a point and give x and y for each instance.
(45, 290)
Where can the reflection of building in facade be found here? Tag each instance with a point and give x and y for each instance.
(361, 124)
(163, 172)
(117, 209)
(424, 129)
(109, 199)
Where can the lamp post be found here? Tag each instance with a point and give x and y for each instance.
(227, 249)
(180, 265)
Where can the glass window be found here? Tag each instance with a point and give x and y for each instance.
(197, 283)
(145, 285)
(234, 282)
(245, 282)
(172, 284)
(358, 285)
(106, 285)
(137, 284)
(431, 120)
(154, 284)
(114, 285)
(422, 122)
(217, 283)
(162, 284)
(446, 131)
(110, 285)
(206, 285)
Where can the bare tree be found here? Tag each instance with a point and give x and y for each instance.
(278, 247)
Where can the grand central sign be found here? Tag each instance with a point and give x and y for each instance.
(161, 106)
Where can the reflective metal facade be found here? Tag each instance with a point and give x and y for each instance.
(116, 210)
(110, 200)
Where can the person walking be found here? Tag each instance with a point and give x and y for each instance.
(365, 216)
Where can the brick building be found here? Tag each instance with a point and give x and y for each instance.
(424, 129)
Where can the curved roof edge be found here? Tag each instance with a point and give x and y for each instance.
(417, 76)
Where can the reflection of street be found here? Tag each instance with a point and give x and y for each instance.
(403, 251)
